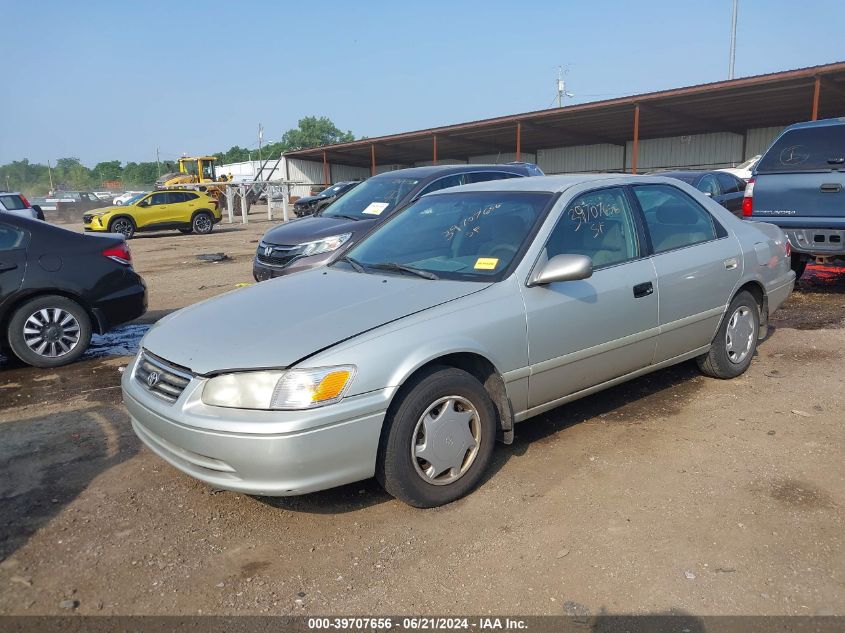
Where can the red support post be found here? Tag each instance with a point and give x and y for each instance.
(325, 170)
(518, 141)
(636, 145)
(434, 148)
(372, 160)
(817, 88)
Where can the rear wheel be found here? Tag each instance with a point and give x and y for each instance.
(439, 440)
(202, 223)
(736, 340)
(49, 331)
(798, 265)
(125, 226)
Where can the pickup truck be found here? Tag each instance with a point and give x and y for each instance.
(799, 185)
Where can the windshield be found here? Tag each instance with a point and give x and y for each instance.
(749, 163)
(330, 191)
(471, 236)
(370, 199)
(682, 177)
(134, 198)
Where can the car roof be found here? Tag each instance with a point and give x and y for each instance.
(684, 172)
(821, 123)
(445, 170)
(551, 184)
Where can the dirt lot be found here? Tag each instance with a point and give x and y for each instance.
(670, 493)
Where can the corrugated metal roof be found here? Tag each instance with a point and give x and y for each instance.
(769, 100)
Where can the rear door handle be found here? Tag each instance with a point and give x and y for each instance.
(643, 289)
(831, 187)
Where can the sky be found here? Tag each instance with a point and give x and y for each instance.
(114, 80)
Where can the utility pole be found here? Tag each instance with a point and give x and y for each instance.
(733, 42)
(561, 87)
(158, 164)
(50, 172)
(260, 138)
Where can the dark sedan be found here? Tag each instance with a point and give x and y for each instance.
(58, 286)
(724, 188)
(309, 205)
(311, 241)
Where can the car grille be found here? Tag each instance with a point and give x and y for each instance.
(278, 256)
(160, 378)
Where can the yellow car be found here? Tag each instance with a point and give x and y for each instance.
(188, 211)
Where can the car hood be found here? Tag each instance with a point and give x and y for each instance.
(103, 210)
(313, 228)
(309, 199)
(277, 323)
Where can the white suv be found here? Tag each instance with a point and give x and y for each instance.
(16, 203)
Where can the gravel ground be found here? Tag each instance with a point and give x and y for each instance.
(672, 493)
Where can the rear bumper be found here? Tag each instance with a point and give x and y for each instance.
(823, 242)
(780, 293)
(126, 304)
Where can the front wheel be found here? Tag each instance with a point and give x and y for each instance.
(438, 440)
(736, 340)
(124, 226)
(49, 331)
(202, 223)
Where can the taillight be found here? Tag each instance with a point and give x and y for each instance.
(119, 253)
(788, 249)
(24, 200)
(748, 199)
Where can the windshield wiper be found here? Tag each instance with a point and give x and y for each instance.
(345, 217)
(356, 265)
(405, 269)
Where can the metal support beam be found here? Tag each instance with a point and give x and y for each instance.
(636, 144)
(518, 141)
(372, 160)
(434, 149)
(817, 88)
(325, 170)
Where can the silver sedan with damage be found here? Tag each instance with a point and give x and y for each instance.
(473, 309)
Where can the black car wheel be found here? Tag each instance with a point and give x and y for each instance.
(438, 439)
(202, 223)
(49, 331)
(122, 225)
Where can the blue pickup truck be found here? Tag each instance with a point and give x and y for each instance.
(799, 185)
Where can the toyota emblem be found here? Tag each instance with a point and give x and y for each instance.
(152, 379)
(268, 250)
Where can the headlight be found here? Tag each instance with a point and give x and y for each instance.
(326, 245)
(292, 389)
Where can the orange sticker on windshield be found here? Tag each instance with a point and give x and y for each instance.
(486, 263)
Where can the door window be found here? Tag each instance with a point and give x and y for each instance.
(443, 183)
(10, 237)
(729, 184)
(599, 224)
(158, 198)
(674, 220)
(708, 184)
(484, 176)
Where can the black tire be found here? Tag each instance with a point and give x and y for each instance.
(187, 230)
(124, 225)
(75, 333)
(721, 361)
(798, 265)
(400, 473)
(202, 223)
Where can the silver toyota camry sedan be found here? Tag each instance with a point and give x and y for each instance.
(473, 309)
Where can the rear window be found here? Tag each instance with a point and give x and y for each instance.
(807, 149)
(12, 202)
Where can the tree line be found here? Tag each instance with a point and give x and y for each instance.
(70, 174)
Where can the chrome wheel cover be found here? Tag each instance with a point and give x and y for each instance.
(739, 335)
(446, 439)
(51, 332)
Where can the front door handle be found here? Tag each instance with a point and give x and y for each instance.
(4, 266)
(831, 187)
(643, 289)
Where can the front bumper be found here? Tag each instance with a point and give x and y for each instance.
(822, 242)
(262, 272)
(271, 453)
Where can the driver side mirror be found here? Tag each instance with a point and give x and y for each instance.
(562, 268)
(709, 194)
(144, 203)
